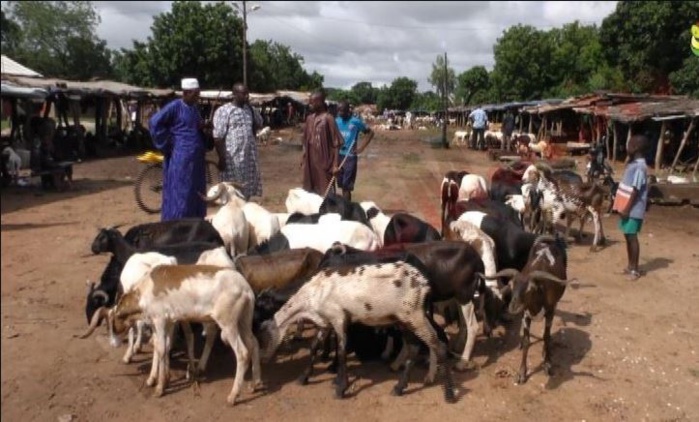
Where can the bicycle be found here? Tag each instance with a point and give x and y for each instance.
(148, 186)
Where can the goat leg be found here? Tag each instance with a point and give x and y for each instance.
(342, 377)
(130, 347)
(547, 342)
(211, 330)
(320, 338)
(189, 339)
(411, 350)
(526, 321)
(469, 325)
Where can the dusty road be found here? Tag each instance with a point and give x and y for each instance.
(622, 350)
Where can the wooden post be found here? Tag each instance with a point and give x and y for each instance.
(628, 138)
(521, 121)
(659, 149)
(609, 135)
(686, 136)
(616, 143)
(531, 122)
(696, 165)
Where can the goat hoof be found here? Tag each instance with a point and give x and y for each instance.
(339, 393)
(547, 369)
(449, 396)
(230, 401)
(256, 386)
(150, 382)
(429, 379)
(521, 379)
(158, 392)
(464, 365)
(396, 391)
(302, 380)
(126, 361)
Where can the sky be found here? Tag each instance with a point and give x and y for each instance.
(351, 41)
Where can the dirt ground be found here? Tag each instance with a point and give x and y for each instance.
(622, 350)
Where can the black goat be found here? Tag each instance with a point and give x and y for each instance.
(348, 210)
(536, 288)
(189, 232)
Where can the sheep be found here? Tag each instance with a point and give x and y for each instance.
(179, 293)
(348, 210)
(299, 200)
(538, 287)
(262, 224)
(374, 295)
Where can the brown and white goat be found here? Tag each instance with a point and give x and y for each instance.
(195, 293)
(571, 200)
(536, 289)
(374, 295)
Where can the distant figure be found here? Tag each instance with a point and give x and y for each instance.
(508, 126)
(176, 131)
(635, 182)
(350, 127)
(321, 143)
(235, 126)
(479, 121)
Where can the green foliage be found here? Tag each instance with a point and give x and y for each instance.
(364, 93)
(523, 57)
(437, 76)
(471, 82)
(427, 101)
(274, 66)
(399, 96)
(11, 34)
(57, 38)
(648, 40)
(686, 79)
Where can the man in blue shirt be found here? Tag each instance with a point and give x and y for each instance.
(350, 127)
(479, 120)
(635, 176)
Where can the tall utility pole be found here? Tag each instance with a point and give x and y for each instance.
(445, 102)
(245, 43)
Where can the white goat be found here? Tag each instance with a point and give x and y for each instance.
(482, 243)
(473, 186)
(137, 266)
(321, 236)
(375, 295)
(180, 293)
(14, 162)
(299, 200)
(378, 220)
(263, 135)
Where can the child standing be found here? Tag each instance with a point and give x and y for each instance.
(632, 214)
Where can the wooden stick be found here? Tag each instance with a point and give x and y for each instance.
(659, 150)
(687, 134)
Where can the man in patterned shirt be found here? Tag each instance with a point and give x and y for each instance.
(235, 127)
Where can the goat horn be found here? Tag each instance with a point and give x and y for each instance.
(101, 293)
(220, 187)
(100, 314)
(545, 275)
(507, 272)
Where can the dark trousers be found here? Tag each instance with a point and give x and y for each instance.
(478, 139)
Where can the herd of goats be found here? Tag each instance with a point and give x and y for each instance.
(370, 283)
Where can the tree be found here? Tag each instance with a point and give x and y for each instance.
(686, 79)
(399, 95)
(437, 76)
(274, 66)
(522, 64)
(364, 93)
(11, 34)
(58, 38)
(648, 41)
(427, 101)
(576, 55)
(470, 82)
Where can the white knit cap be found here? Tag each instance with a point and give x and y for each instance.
(190, 83)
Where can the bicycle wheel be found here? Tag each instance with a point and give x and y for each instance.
(149, 187)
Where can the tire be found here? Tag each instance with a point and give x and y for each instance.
(149, 187)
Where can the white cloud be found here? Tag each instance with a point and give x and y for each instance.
(374, 41)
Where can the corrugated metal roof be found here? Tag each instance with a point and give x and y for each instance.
(11, 67)
(637, 111)
(82, 88)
